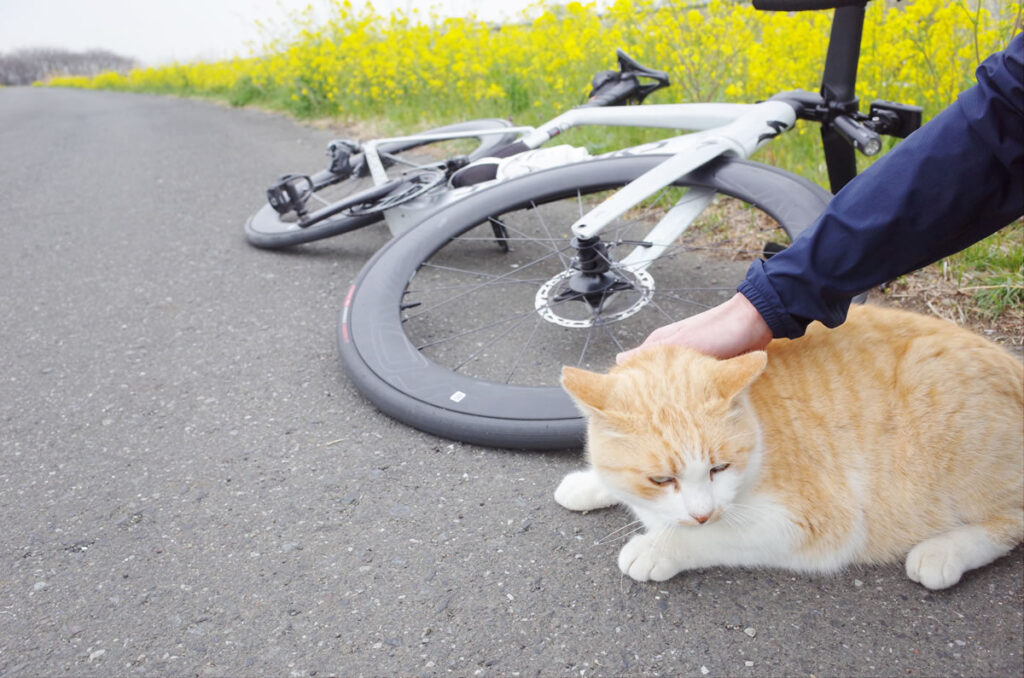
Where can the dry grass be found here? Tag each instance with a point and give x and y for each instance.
(934, 291)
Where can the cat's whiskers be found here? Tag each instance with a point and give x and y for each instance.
(624, 532)
(745, 516)
(740, 515)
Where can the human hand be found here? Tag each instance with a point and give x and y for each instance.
(727, 330)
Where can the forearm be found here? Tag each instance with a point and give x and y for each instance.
(956, 180)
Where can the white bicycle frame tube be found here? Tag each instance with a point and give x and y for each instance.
(735, 130)
(377, 167)
(691, 117)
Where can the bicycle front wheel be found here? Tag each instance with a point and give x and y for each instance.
(460, 327)
(268, 229)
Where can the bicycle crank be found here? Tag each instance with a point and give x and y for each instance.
(404, 189)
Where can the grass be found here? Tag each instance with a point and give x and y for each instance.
(993, 270)
(981, 287)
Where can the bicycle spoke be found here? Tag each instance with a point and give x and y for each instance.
(470, 272)
(448, 288)
(516, 318)
(586, 345)
(611, 335)
(691, 302)
(519, 355)
(595, 313)
(523, 350)
(544, 223)
(485, 238)
(550, 239)
(493, 340)
(695, 289)
(668, 316)
(481, 286)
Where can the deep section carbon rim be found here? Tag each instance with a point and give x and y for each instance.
(461, 326)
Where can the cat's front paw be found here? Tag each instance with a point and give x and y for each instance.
(583, 491)
(645, 558)
(936, 563)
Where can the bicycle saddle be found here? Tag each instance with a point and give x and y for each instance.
(614, 88)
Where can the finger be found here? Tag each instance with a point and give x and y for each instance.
(626, 356)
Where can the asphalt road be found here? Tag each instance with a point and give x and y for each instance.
(189, 486)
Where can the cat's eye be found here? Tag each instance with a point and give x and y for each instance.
(661, 480)
(718, 469)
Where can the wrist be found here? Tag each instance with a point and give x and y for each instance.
(750, 327)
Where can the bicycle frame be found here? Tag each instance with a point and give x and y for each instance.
(735, 130)
(373, 161)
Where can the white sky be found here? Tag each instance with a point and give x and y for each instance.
(160, 31)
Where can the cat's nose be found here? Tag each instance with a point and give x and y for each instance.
(701, 519)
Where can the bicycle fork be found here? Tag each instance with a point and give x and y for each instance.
(594, 280)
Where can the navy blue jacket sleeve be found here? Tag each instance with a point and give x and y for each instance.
(951, 183)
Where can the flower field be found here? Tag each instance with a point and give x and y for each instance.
(361, 65)
(403, 72)
(406, 71)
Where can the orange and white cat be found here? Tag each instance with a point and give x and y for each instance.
(895, 435)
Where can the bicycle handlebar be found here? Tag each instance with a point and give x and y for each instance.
(802, 5)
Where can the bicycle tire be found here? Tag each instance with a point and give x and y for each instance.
(266, 229)
(413, 380)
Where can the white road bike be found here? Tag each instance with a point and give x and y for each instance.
(460, 325)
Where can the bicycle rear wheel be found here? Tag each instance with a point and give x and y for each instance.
(459, 327)
(268, 229)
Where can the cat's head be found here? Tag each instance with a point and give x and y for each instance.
(671, 432)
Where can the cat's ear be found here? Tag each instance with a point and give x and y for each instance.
(735, 374)
(588, 389)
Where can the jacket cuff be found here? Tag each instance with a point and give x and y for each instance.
(759, 292)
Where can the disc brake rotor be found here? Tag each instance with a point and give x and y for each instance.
(552, 305)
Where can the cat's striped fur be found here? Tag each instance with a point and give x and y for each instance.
(893, 436)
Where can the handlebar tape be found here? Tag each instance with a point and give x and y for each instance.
(801, 5)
